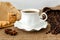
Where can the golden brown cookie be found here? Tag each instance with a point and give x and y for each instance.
(8, 14)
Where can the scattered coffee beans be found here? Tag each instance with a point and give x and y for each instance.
(53, 19)
(10, 31)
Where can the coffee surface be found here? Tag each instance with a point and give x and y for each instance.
(29, 11)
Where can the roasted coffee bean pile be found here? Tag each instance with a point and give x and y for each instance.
(53, 19)
(11, 32)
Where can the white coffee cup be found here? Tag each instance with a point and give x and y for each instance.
(30, 18)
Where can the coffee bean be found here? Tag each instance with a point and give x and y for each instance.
(7, 31)
(13, 32)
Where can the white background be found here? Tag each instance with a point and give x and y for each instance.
(23, 4)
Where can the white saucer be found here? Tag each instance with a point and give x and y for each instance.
(27, 28)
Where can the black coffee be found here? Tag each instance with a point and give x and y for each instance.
(29, 11)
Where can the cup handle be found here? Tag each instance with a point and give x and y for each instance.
(45, 15)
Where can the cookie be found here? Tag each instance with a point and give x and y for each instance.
(8, 14)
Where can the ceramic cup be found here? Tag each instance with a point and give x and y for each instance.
(31, 17)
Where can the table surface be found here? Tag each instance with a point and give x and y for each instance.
(23, 35)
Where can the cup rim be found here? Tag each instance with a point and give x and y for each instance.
(36, 10)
